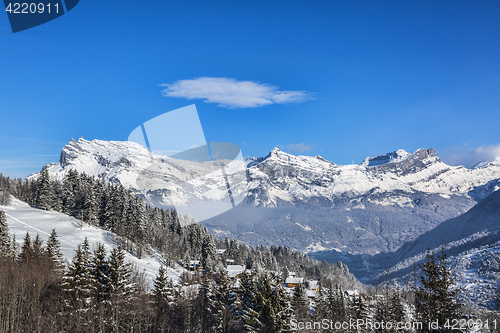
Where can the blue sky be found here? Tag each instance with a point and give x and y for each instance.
(342, 79)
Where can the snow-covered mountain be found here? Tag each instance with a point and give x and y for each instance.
(281, 178)
(199, 188)
(308, 203)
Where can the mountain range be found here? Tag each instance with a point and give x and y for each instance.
(307, 203)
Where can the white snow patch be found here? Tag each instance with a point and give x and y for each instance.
(305, 227)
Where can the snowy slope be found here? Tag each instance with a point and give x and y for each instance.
(23, 218)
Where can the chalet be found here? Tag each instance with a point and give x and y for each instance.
(291, 281)
(192, 265)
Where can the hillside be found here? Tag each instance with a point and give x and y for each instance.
(23, 218)
(472, 244)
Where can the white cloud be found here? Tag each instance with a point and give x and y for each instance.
(233, 94)
(478, 157)
(298, 148)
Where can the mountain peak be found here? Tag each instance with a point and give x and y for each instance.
(398, 156)
(276, 152)
(392, 157)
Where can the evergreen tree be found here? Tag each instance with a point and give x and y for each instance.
(37, 247)
(13, 249)
(284, 274)
(264, 305)
(79, 281)
(163, 293)
(336, 304)
(101, 272)
(300, 303)
(121, 286)
(91, 204)
(26, 249)
(361, 313)
(234, 251)
(382, 309)
(4, 234)
(496, 303)
(53, 251)
(435, 298)
(208, 254)
(57, 195)
(221, 304)
(70, 193)
(44, 195)
(162, 288)
(5, 190)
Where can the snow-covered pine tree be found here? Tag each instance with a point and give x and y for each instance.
(109, 219)
(70, 192)
(195, 238)
(91, 204)
(208, 253)
(163, 293)
(57, 194)
(13, 249)
(101, 273)
(4, 234)
(102, 198)
(496, 302)
(37, 247)
(26, 249)
(119, 209)
(234, 251)
(338, 304)
(264, 305)
(360, 312)
(121, 285)
(284, 311)
(397, 312)
(435, 298)
(141, 223)
(300, 303)
(5, 190)
(44, 195)
(79, 282)
(175, 224)
(161, 289)
(284, 274)
(248, 310)
(382, 308)
(221, 304)
(131, 217)
(53, 251)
